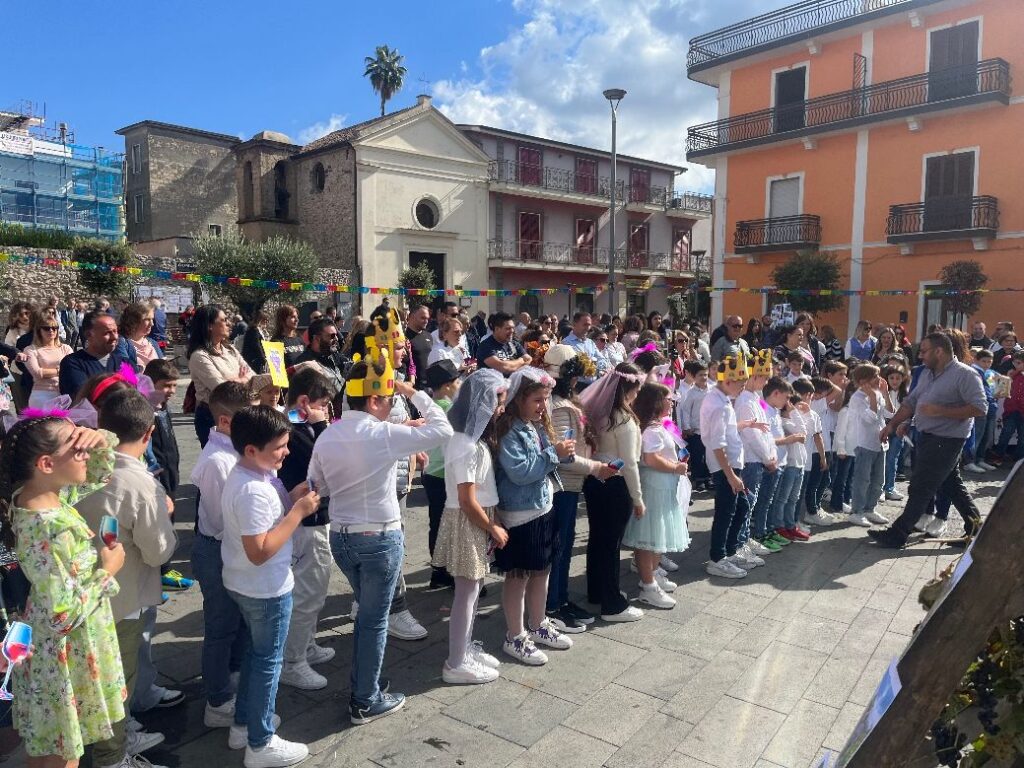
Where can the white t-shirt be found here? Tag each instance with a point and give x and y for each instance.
(775, 424)
(813, 425)
(466, 462)
(828, 419)
(796, 453)
(253, 506)
(656, 439)
(758, 446)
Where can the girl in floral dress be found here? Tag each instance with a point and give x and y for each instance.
(71, 690)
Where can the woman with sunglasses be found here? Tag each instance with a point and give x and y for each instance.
(42, 360)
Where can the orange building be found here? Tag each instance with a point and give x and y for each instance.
(882, 131)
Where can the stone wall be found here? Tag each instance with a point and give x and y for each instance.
(329, 215)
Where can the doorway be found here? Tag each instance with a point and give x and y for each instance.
(435, 263)
(790, 94)
(948, 192)
(953, 62)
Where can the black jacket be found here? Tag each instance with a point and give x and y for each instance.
(252, 350)
(165, 448)
(295, 468)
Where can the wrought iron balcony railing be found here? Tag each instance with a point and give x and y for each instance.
(692, 201)
(553, 179)
(944, 218)
(942, 89)
(795, 22)
(540, 252)
(778, 234)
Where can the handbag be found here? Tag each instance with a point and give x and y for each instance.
(189, 406)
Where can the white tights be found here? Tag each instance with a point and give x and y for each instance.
(524, 594)
(461, 619)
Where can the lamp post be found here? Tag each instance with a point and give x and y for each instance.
(614, 96)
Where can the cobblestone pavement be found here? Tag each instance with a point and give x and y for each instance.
(765, 672)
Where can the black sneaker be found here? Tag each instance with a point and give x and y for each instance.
(441, 579)
(566, 622)
(887, 537)
(583, 616)
(388, 704)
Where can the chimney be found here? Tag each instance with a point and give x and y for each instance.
(423, 100)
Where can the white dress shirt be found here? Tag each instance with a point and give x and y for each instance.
(354, 461)
(757, 445)
(718, 430)
(209, 475)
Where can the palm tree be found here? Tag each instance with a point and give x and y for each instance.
(386, 73)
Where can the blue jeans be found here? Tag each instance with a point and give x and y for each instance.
(1013, 424)
(765, 495)
(816, 481)
(564, 504)
(868, 475)
(840, 482)
(225, 641)
(731, 509)
(267, 619)
(893, 461)
(372, 563)
(753, 477)
(787, 496)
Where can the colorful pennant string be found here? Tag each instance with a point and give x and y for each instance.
(283, 285)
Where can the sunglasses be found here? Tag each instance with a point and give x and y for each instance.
(48, 328)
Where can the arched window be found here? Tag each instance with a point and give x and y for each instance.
(281, 193)
(319, 177)
(247, 193)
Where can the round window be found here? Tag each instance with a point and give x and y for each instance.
(427, 214)
(319, 177)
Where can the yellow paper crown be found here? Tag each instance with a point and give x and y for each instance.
(761, 363)
(386, 334)
(382, 385)
(733, 368)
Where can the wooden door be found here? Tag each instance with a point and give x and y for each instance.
(790, 94)
(638, 246)
(953, 62)
(681, 249)
(530, 243)
(586, 232)
(639, 185)
(586, 176)
(948, 192)
(531, 171)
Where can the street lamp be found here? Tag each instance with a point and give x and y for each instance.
(614, 96)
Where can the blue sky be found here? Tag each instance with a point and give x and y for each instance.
(538, 66)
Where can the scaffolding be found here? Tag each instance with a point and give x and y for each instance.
(49, 181)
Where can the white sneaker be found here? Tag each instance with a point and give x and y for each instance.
(137, 742)
(630, 613)
(477, 653)
(666, 584)
(881, 498)
(470, 673)
(972, 467)
(820, 518)
(985, 465)
(276, 754)
(318, 654)
(725, 568)
(923, 522)
(746, 560)
(298, 674)
(859, 520)
(238, 735)
(404, 626)
(133, 761)
(652, 594)
(220, 717)
(847, 508)
(522, 649)
(893, 496)
(756, 547)
(876, 518)
(669, 565)
(935, 528)
(547, 634)
(355, 610)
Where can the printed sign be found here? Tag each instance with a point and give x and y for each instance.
(274, 350)
(887, 689)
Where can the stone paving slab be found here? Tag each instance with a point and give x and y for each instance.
(766, 672)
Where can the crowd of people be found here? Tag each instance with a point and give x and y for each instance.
(507, 420)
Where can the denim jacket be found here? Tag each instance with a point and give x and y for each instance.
(523, 469)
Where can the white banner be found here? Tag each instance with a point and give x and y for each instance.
(16, 143)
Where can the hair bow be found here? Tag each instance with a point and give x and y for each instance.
(648, 347)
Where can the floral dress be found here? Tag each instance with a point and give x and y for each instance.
(71, 690)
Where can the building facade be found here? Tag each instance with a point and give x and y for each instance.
(549, 211)
(882, 132)
(49, 181)
(179, 182)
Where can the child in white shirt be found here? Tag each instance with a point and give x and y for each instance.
(688, 419)
(814, 443)
(787, 494)
(869, 408)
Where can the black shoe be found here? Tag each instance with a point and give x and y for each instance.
(441, 579)
(887, 537)
(566, 622)
(972, 527)
(483, 591)
(583, 616)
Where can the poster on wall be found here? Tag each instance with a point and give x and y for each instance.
(175, 298)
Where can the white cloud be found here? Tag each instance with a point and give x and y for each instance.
(316, 130)
(546, 77)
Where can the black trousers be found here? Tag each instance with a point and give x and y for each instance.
(936, 468)
(609, 506)
(437, 497)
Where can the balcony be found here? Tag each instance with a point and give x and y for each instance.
(987, 81)
(586, 258)
(784, 233)
(542, 181)
(795, 23)
(946, 218)
(690, 204)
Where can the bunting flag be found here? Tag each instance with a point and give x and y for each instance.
(284, 285)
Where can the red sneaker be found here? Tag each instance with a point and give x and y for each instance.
(799, 535)
(787, 533)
